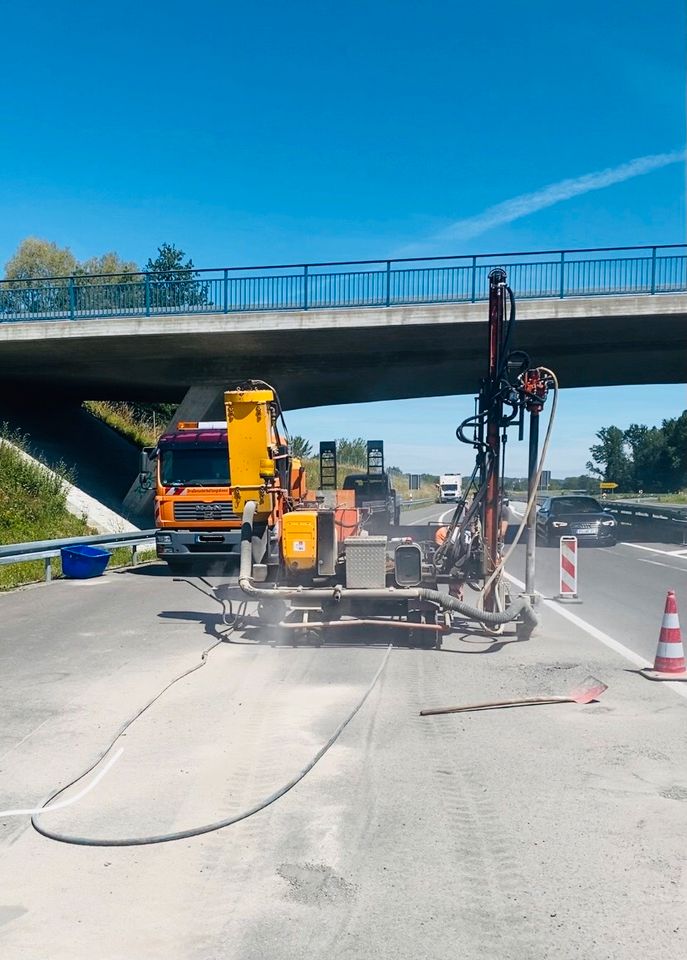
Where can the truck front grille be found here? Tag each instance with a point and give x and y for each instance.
(192, 510)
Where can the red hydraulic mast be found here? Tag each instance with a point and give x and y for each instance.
(494, 406)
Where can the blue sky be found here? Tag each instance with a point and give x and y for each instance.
(294, 132)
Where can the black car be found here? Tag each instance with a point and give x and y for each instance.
(582, 517)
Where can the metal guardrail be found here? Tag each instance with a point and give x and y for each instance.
(48, 550)
(650, 521)
(603, 271)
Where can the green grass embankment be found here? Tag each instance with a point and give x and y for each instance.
(32, 507)
(127, 420)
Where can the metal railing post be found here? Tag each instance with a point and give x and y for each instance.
(388, 283)
(474, 279)
(226, 290)
(72, 298)
(48, 569)
(305, 287)
(134, 555)
(653, 269)
(147, 295)
(562, 269)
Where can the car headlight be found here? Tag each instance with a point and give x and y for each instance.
(608, 523)
(559, 523)
(164, 538)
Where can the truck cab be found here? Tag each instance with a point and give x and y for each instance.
(194, 512)
(374, 493)
(450, 488)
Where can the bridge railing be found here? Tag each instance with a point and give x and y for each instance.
(376, 283)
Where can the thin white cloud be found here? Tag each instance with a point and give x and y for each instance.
(529, 203)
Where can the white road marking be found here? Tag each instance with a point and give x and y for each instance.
(665, 553)
(35, 811)
(615, 645)
(657, 563)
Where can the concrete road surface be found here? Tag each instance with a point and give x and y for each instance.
(551, 831)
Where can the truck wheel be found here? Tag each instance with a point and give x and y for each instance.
(179, 568)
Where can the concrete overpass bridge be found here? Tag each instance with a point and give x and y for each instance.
(344, 332)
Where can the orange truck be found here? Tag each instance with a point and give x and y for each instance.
(194, 512)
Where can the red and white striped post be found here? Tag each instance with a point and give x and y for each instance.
(568, 574)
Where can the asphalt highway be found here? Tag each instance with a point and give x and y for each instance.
(554, 831)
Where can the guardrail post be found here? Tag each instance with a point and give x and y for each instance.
(474, 279)
(72, 298)
(134, 554)
(388, 283)
(562, 269)
(48, 569)
(653, 269)
(147, 295)
(305, 287)
(226, 290)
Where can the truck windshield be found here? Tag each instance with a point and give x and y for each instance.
(194, 466)
(449, 487)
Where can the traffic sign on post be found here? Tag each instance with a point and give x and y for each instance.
(607, 485)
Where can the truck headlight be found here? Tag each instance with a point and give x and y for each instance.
(164, 538)
(559, 523)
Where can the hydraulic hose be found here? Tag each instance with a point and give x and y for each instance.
(516, 610)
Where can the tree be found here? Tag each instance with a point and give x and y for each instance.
(94, 290)
(610, 460)
(37, 258)
(47, 278)
(173, 283)
(675, 432)
(108, 263)
(352, 452)
(301, 447)
(31, 270)
(583, 482)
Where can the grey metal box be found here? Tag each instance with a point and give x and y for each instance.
(366, 562)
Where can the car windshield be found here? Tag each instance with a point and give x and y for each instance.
(575, 505)
(194, 466)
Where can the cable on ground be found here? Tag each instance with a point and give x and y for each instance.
(208, 827)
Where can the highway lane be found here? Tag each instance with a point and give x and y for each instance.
(622, 589)
(537, 833)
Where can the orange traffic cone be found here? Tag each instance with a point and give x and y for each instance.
(670, 656)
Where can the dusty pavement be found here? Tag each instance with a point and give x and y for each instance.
(555, 831)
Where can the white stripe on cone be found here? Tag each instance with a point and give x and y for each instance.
(669, 651)
(670, 622)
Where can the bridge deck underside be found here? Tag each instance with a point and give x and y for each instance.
(325, 357)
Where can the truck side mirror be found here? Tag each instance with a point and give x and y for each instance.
(145, 477)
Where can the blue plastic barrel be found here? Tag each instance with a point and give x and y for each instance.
(82, 562)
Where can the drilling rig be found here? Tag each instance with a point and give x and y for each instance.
(311, 562)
